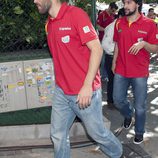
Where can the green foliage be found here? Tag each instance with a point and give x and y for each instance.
(21, 26)
(150, 1)
(85, 5)
(107, 1)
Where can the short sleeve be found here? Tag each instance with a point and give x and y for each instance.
(116, 27)
(83, 25)
(153, 34)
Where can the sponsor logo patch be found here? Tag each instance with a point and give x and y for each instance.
(156, 36)
(65, 39)
(140, 31)
(64, 28)
(86, 29)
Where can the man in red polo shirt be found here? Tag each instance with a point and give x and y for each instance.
(105, 18)
(135, 36)
(76, 53)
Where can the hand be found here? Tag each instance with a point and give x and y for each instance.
(136, 47)
(113, 67)
(84, 96)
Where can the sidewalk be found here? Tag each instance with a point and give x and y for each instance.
(148, 149)
(85, 152)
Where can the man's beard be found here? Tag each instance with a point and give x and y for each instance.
(43, 9)
(130, 12)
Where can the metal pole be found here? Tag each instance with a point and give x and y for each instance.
(94, 13)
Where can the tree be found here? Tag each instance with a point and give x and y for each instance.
(21, 26)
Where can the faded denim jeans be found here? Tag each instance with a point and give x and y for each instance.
(139, 88)
(64, 111)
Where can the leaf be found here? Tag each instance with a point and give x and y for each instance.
(18, 10)
(29, 39)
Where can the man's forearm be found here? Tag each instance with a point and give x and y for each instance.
(151, 47)
(114, 57)
(94, 63)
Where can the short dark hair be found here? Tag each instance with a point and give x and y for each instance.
(151, 9)
(121, 12)
(62, 1)
(113, 5)
(139, 2)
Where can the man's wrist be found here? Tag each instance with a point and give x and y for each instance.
(144, 43)
(86, 83)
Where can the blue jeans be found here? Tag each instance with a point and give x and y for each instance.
(139, 88)
(64, 111)
(103, 70)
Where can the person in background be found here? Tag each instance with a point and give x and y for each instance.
(108, 46)
(76, 53)
(135, 37)
(151, 13)
(104, 19)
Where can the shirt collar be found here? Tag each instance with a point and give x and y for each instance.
(138, 21)
(61, 12)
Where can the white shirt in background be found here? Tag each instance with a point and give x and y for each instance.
(107, 42)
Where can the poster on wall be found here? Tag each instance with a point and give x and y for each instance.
(12, 87)
(39, 78)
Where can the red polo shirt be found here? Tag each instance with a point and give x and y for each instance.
(104, 19)
(144, 29)
(67, 35)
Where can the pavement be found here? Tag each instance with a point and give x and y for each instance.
(148, 149)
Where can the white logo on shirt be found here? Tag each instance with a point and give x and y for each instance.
(140, 31)
(65, 39)
(156, 36)
(86, 29)
(64, 28)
